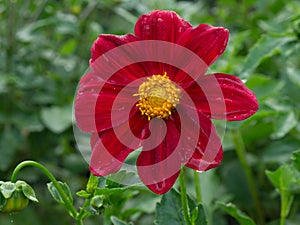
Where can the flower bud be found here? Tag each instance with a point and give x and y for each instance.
(14, 197)
(97, 201)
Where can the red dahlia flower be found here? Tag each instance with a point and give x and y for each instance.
(149, 89)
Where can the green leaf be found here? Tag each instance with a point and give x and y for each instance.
(285, 122)
(286, 179)
(293, 75)
(198, 215)
(28, 191)
(68, 47)
(83, 194)
(52, 189)
(296, 159)
(91, 211)
(169, 210)
(93, 183)
(279, 151)
(264, 48)
(7, 189)
(264, 87)
(2, 201)
(117, 221)
(109, 191)
(233, 211)
(57, 119)
(123, 177)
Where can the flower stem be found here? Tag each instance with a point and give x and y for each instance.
(79, 222)
(282, 211)
(59, 189)
(286, 202)
(241, 153)
(197, 186)
(184, 200)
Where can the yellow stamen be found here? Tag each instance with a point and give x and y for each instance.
(158, 96)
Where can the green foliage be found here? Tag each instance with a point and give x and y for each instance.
(296, 159)
(117, 221)
(57, 119)
(233, 211)
(169, 210)
(55, 194)
(264, 48)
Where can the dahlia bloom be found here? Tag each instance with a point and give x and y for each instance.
(151, 89)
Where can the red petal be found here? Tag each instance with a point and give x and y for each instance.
(202, 148)
(159, 162)
(160, 25)
(223, 96)
(99, 106)
(106, 42)
(206, 41)
(115, 105)
(85, 102)
(112, 146)
(118, 64)
(199, 141)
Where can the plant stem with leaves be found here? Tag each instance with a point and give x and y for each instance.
(241, 153)
(68, 205)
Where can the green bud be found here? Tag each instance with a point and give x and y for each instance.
(97, 201)
(15, 197)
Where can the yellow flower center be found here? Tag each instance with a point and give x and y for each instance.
(158, 97)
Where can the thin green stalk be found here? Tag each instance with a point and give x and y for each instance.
(286, 202)
(82, 212)
(184, 200)
(282, 211)
(79, 222)
(197, 186)
(61, 192)
(241, 153)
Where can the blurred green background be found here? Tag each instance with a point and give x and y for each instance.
(45, 48)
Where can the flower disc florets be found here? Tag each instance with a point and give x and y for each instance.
(158, 96)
